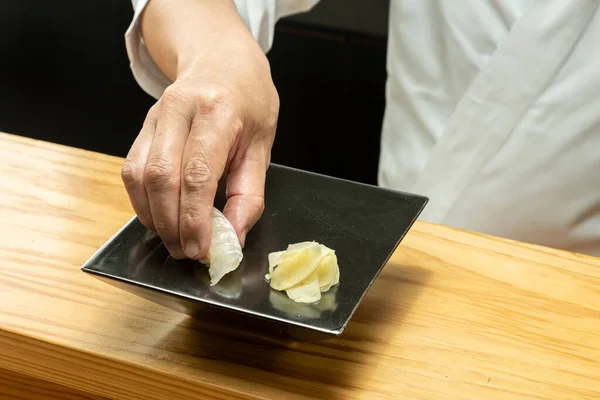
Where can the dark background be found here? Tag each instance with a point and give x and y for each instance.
(65, 78)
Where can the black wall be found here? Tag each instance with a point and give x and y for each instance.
(65, 78)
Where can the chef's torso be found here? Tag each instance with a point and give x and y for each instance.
(493, 111)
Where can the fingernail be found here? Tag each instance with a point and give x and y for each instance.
(192, 249)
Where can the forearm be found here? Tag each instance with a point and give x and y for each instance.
(181, 33)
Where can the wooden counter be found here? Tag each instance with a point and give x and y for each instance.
(454, 315)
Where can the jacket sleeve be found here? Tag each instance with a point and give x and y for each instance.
(259, 15)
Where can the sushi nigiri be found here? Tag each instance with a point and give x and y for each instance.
(225, 252)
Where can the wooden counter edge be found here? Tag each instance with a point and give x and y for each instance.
(96, 374)
(17, 386)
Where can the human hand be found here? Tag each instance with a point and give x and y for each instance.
(218, 117)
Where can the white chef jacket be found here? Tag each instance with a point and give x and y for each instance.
(492, 111)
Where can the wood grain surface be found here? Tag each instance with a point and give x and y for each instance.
(454, 315)
(15, 386)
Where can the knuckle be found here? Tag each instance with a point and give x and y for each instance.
(146, 221)
(173, 95)
(197, 174)
(210, 99)
(255, 207)
(189, 222)
(272, 113)
(153, 109)
(276, 102)
(168, 233)
(259, 207)
(160, 174)
(271, 124)
(174, 103)
(237, 126)
(151, 115)
(131, 173)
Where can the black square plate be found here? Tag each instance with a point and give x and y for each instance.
(364, 224)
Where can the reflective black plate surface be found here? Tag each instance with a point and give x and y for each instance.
(364, 224)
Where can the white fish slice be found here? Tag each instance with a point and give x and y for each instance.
(225, 252)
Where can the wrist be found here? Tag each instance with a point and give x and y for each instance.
(220, 54)
(181, 35)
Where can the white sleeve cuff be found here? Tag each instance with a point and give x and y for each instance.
(145, 71)
(260, 16)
